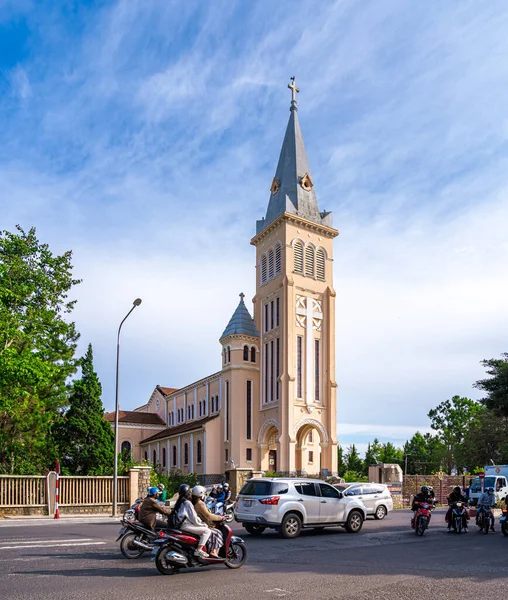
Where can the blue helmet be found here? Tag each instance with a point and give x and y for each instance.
(490, 489)
(153, 491)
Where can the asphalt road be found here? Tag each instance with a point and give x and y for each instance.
(64, 560)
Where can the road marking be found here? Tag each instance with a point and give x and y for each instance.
(53, 545)
(31, 559)
(279, 592)
(25, 541)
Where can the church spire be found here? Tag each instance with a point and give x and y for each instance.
(292, 187)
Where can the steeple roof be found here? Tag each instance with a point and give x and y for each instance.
(241, 323)
(292, 188)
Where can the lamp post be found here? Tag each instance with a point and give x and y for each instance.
(136, 302)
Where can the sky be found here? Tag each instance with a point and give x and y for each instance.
(144, 136)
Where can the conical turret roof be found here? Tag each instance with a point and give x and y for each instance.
(292, 187)
(241, 323)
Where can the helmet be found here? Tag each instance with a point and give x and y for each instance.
(457, 489)
(490, 490)
(161, 486)
(183, 490)
(425, 489)
(153, 491)
(219, 487)
(226, 486)
(199, 491)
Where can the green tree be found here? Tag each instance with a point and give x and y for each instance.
(353, 461)
(371, 456)
(341, 465)
(389, 454)
(37, 345)
(485, 440)
(451, 419)
(424, 454)
(496, 386)
(86, 440)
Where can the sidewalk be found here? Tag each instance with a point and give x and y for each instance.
(13, 521)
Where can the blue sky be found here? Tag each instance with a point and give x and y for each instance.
(144, 136)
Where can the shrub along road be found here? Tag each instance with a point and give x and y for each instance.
(81, 561)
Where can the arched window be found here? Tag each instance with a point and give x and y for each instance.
(246, 353)
(125, 447)
(270, 264)
(309, 261)
(229, 354)
(198, 452)
(186, 454)
(224, 355)
(154, 457)
(264, 270)
(298, 252)
(174, 456)
(192, 411)
(164, 457)
(146, 456)
(253, 354)
(320, 264)
(278, 253)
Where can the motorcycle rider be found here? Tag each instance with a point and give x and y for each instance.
(456, 496)
(150, 507)
(423, 496)
(190, 520)
(487, 499)
(163, 495)
(227, 492)
(216, 540)
(219, 500)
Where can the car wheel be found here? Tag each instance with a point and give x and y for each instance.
(254, 529)
(380, 513)
(291, 526)
(354, 521)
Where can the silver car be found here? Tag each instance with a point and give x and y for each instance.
(375, 496)
(290, 504)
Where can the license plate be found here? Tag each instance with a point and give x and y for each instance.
(123, 530)
(247, 502)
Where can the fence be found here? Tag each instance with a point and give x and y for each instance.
(84, 491)
(22, 490)
(442, 485)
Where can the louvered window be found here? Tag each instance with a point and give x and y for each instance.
(320, 264)
(270, 264)
(263, 270)
(278, 253)
(309, 261)
(298, 257)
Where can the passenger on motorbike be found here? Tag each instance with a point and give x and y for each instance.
(190, 520)
(216, 540)
(423, 496)
(149, 509)
(163, 495)
(213, 492)
(487, 499)
(227, 492)
(456, 496)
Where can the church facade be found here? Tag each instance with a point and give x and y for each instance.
(272, 404)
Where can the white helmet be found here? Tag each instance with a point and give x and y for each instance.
(226, 486)
(199, 491)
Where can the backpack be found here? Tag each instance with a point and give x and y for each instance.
(174, 521)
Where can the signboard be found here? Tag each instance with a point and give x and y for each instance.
(481, 475)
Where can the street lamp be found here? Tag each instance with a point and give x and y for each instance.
(136, 302)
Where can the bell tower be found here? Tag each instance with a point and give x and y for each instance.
(294, 313)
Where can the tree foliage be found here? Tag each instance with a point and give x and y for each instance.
(353, 461)
(424, 454)
(496, 386)
(85, 438)
(450, 420)
(485, 440)
(37, 346)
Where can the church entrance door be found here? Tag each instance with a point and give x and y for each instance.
(272, 460)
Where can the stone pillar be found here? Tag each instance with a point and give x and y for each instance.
(139, 482)
(236, 478)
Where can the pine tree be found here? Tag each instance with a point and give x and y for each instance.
(353, 461)
(85, 438)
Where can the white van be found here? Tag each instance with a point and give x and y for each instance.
(496, 476)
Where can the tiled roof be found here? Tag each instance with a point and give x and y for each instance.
(166, 390)
(179, 429)
(139, 418)
(241, 322)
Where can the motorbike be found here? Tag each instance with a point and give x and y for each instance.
(458, 517)
(132, 513)
(421, 519)
(218, 508)
(175, 551)
(137, 539)
(503, 521)
(484, 519)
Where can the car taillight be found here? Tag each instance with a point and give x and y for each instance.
(274, 500)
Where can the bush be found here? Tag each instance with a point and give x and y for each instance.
(173, 481)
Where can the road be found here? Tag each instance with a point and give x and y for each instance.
(81, 561)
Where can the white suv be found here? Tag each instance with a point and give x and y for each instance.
(288, 505)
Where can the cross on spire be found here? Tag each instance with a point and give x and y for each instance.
(294, 91)
(242, 296)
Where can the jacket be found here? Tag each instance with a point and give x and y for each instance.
(487, 500)
(148, 512)
(204, 514)
(189, 515)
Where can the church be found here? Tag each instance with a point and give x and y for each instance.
(272, 404)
